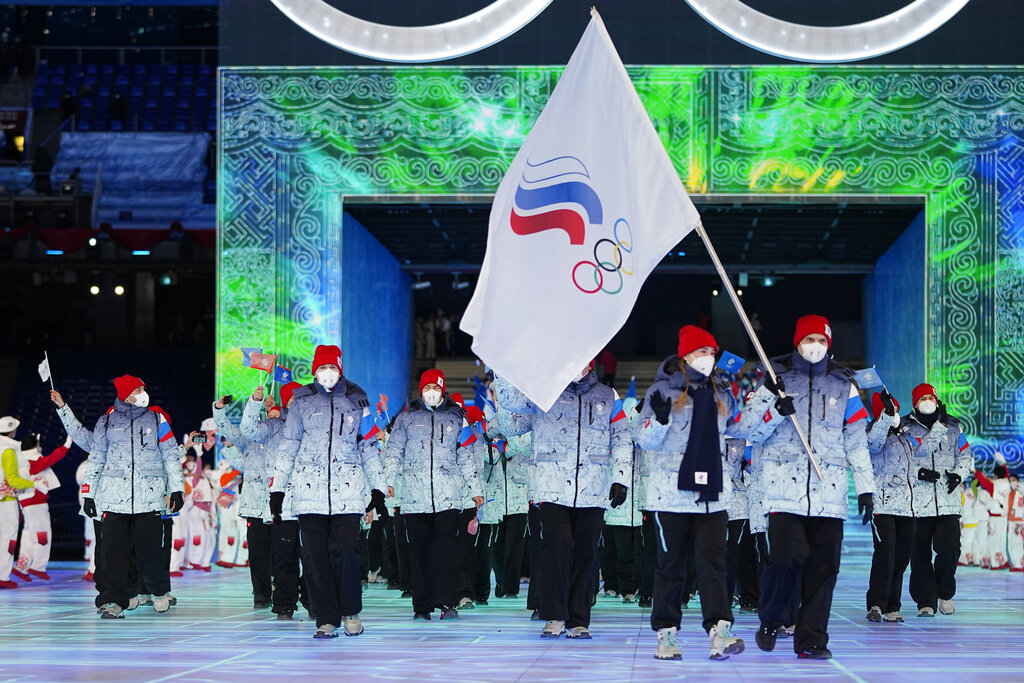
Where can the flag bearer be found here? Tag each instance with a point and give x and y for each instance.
(805, 514)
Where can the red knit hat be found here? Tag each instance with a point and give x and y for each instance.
(812, 324)
(432, 377)
(287, 390)
(326, 355)
(474, 414)
(923, 390)
(877, 407)
(126, 384)
(457, 397)
(692, 338)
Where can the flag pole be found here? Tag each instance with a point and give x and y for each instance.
(727, 285)
(49, 370)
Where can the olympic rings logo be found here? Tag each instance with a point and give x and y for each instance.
(609, 257)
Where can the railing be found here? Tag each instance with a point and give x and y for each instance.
(127, 55)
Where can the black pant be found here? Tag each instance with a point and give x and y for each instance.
(743, 569)
(432, 540)
(648, 555)
(97, 576)
(402, 559)
(257, 535)
(285, 551)
(606, 561)
(388, 567)
(144, 533)
(465, 545)
(533, 591)
(894, 539)
(626, 545)
(680, 536)
(930, 582)
(485, 537)
(568, 551)
(802, 559)
(512, 541)
(331, 560)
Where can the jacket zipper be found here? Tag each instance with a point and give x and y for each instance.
(330, 444)
(810, 428)
(131, 442)
(433, 507)
(935, 486)
(504, 469)
(579, 435)
(910, 466)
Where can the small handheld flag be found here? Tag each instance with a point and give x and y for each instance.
(631, 392)
(44, 370)
(282, 375)
(368, 428)
(868, 378)
(247, 352)
(730, 362)
(262, 361)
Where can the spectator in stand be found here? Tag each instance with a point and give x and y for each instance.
(68, 105)
(119, 109)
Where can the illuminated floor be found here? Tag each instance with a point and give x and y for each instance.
(50, 632)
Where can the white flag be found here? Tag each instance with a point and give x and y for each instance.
(44, 370)
(588, 208)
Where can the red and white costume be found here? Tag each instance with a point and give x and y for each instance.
(37, 535)
(999, 490)
(973, 519)
(1015, 529)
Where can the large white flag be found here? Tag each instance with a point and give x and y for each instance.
(588, 208)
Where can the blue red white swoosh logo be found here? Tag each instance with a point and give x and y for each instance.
(556, 194)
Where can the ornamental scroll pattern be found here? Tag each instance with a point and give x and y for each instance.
(294, 141)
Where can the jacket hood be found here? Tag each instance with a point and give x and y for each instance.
(585, 384)
(669, 372)
(129, 410)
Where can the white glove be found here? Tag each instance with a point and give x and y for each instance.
(67, 442)
(1000, 460)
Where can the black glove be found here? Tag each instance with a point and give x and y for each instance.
(661, 406)
(617, 495)
(888, 403)
(377, 504)
(865, 506)
(177, 501)
(952, 481)
(925, 474)
(89, 507)
(775, 386)
(785, 406)
(940, 413)
(276, 505)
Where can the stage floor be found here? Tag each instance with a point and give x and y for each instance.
(49, 631)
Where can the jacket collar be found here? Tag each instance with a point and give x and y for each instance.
(584, 385)
(798, 363)
(129, 410)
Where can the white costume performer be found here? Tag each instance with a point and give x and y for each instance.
(974, 517)
(232, 550)
(1015, 529)
(90, 530)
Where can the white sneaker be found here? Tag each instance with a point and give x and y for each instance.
(371, 577)
(465, 603)
(667, 648)
(326, 631)
(723, 642)
(926, 612)
(610, 594)
(578, 632)
(893, 617)
(553, 629)
(162, 604)
(145, 599)
(353, 626)
(946, 606)
(111, 610)
(628, 599)
(133, 602)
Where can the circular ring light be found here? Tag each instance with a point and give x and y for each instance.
(431, 43)
(848, 43)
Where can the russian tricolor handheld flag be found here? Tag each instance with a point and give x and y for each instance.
(368, 428)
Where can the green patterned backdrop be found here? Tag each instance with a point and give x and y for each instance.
(294, 141)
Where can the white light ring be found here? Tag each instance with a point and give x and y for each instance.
(848, 43)
(432, 43)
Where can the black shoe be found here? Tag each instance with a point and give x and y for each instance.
(406, 594)
(481, 602)
(449, 613)
(394, 587)
(535, 616)
(749, 609)
(645, 601)
(421, 615)
(285, 615)
(260, 604)
(766, 638)
(815, 653)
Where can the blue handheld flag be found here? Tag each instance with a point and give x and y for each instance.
(868, 378)
(730, 362)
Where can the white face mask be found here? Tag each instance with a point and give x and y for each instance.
(432, 397)
(814, 352)
(704, 365)
(327, 378)
(926, 407)
(142, 399)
